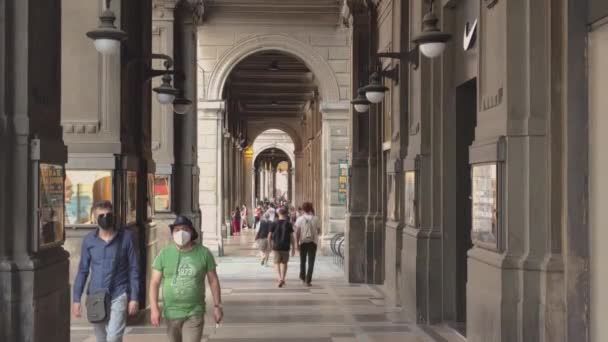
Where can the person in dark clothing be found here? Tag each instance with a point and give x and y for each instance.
(282, 238)
(100, 254)
(262, 238)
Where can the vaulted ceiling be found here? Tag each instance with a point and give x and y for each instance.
(271, 85)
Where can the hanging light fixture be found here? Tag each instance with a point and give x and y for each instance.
(165, 93)
(274, 66)
(361, 103)
(431, 40)
(181, 105)
(374, 92)
(107, 37)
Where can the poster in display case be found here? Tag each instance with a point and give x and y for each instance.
(131, 198)
(484, 194)
(51, 205)
(411, 212)
(162, 193)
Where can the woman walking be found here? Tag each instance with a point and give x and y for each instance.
(236, 222)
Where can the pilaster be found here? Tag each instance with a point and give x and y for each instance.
(34, 272)
(334, 149)
(210, 155)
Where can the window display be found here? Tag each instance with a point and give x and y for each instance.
(51, 205)
(485, 204)
(162, 193)
(82, 190)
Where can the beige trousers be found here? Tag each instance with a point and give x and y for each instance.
(186, 330)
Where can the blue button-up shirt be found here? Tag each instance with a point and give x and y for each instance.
(98, 256)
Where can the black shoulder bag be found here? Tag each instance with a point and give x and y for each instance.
(98, 304)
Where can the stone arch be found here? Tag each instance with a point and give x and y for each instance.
(327, 81)
(256, 130)
(290, 154)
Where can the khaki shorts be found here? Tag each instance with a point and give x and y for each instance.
(263, 245)
(281, 257)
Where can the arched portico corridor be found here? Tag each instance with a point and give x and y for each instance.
(332, 310)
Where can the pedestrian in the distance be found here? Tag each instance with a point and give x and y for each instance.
(282, 239)
(262, 239)
(308, 230)
(236, 222)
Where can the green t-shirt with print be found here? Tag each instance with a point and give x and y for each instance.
(183, 280)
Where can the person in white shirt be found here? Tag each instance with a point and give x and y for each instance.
(308, 230)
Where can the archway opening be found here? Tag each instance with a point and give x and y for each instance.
(272, 128)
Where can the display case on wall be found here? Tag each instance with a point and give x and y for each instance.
(487, 168)
(47, 194)
(484, 202)
(411, 174)
(131, 198)
(162, 193)
(51, 205)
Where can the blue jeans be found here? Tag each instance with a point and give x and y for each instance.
(113, 329)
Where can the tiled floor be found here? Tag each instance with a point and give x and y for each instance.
(257, 311)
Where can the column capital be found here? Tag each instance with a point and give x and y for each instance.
(335, 110)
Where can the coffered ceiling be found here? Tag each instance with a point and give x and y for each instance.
(271, 85)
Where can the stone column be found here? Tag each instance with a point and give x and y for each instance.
(186, 167)
(359, 173)
(334, 149)
(273, 188)
(210, 153)
(253, 181)
(299, 177)
(248, 183)
(290, 185)
(34, 283)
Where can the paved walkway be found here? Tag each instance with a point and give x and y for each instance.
(257, 311)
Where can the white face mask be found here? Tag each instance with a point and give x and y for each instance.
(181, 237)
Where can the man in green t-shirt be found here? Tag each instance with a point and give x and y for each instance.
(182, 268)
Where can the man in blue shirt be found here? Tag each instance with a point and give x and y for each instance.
(99, 253)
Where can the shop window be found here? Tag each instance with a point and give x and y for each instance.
(82, 190)
(485, 205)
(162, 193)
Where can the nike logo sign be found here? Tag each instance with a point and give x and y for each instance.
(469, 35)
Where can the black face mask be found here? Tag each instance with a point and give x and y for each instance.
(106, 221)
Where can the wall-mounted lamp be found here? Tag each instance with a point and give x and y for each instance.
(107, 37)
(361, 103)
(431, 42)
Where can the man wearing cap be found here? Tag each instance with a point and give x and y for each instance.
(182, 268)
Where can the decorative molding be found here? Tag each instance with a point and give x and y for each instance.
(492, 101)
(81, 127)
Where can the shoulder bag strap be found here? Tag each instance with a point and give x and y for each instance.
(119, 236)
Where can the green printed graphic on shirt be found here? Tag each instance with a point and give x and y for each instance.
(184, 280)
